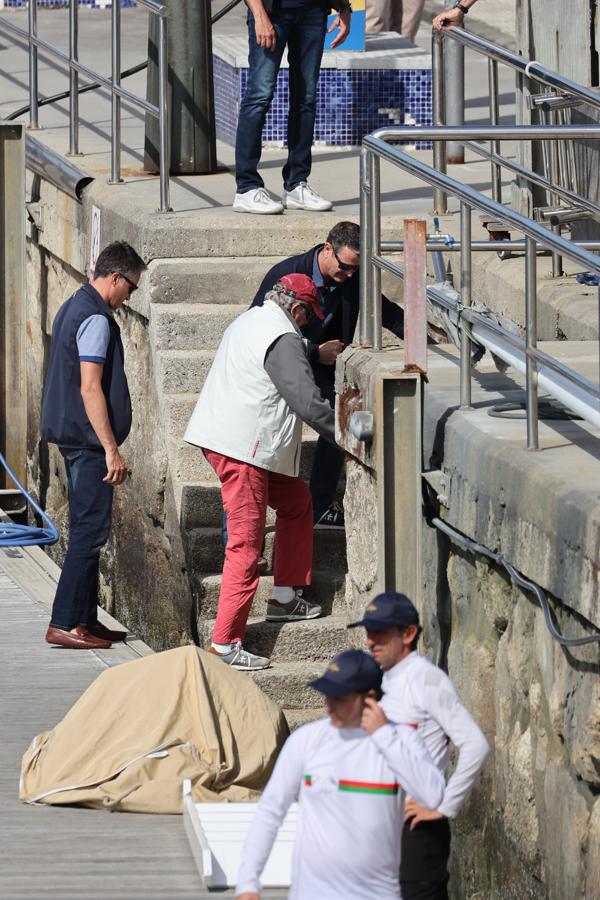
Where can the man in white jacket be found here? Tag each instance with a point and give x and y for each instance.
(420, 694)
(349, 773)
(248, 423)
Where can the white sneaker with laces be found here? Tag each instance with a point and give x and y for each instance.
(241, 659)
(303, 197)
(258, 201)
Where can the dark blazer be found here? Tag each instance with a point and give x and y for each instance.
(341, 309)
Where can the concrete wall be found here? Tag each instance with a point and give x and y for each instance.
(143, 576)
(531, 828)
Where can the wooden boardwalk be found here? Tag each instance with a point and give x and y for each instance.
(69, 853)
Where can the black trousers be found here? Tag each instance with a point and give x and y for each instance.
(424, 866)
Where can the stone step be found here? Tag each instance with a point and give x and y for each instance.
(183, 371)
(286, 683)
(206, 552)
(222, 280)
(328, 589)
(192, 326)
(313, 640)
(296, 718)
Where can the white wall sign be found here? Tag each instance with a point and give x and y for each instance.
(95, 240)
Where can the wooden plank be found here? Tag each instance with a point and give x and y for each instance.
(70, 853)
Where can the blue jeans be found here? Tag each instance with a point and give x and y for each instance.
(90, 508)
(303, 30)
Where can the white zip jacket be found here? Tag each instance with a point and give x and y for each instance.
(420, 694)
(240, 411)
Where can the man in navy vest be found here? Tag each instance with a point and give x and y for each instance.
(86, 411)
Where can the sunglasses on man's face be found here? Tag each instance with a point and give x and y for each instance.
(132, 285)
(345, 267)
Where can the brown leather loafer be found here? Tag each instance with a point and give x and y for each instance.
(101, 631)
(78, 639)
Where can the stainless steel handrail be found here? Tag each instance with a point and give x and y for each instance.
(526, 68)
(75, 68)
(377, 147)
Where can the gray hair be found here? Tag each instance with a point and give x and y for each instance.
(280, 298)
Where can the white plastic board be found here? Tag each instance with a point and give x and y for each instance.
(217, 831)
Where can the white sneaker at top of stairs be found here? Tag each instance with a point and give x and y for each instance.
(257, 201)
(303, 197)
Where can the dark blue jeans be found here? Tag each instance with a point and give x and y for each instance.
(303, 30)
(328, 459)
(90, 507)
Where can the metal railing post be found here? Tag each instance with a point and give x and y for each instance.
(115, 156)
(465, 299)
(494, 118)
(375, 249)
(454, 82)
(366, 269)
(164, 126)
(33, 66)
(440, 198)
(73, 78)
(531, 373)
(415, 294)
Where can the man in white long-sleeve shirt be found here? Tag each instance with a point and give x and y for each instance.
(349, 773)
(420, 694)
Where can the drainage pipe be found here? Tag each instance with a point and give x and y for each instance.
(55, 168)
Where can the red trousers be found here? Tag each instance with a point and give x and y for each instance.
(247, 491)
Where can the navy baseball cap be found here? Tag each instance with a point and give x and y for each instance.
(352, 670)
(386, 610)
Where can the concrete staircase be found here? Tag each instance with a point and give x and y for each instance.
(191, 302)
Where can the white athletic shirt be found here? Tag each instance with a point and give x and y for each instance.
(350, 787)
(418, 693)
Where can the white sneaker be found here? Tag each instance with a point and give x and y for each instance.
(258, 201)
(303, 197)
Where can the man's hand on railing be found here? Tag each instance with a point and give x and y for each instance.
(448, 18)
(343, 23)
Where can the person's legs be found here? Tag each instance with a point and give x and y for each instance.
(291, 500)
(328, 459)
(324, 476)
(424, 865)
(244, 489)
(262, 76)
(378, 15)
(407, 17)
(90, 506)
(305, 49)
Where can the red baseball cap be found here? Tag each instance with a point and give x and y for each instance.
(304, 290)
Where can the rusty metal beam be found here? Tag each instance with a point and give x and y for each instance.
(415, 295)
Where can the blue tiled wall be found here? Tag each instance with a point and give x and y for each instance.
(348, 102)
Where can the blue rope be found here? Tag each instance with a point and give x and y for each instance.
(13, 535)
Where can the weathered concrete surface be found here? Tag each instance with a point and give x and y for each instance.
(530, 828)
(143, 579)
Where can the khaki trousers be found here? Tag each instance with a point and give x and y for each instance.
(402, 16)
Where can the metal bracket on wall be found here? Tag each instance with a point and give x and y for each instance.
(35, 213)
(438, 482)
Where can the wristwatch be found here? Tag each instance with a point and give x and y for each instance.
(345, 7)
(458, 5)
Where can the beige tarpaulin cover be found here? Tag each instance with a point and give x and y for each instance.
(142, 727)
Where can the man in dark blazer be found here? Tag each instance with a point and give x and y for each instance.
(333, 266)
